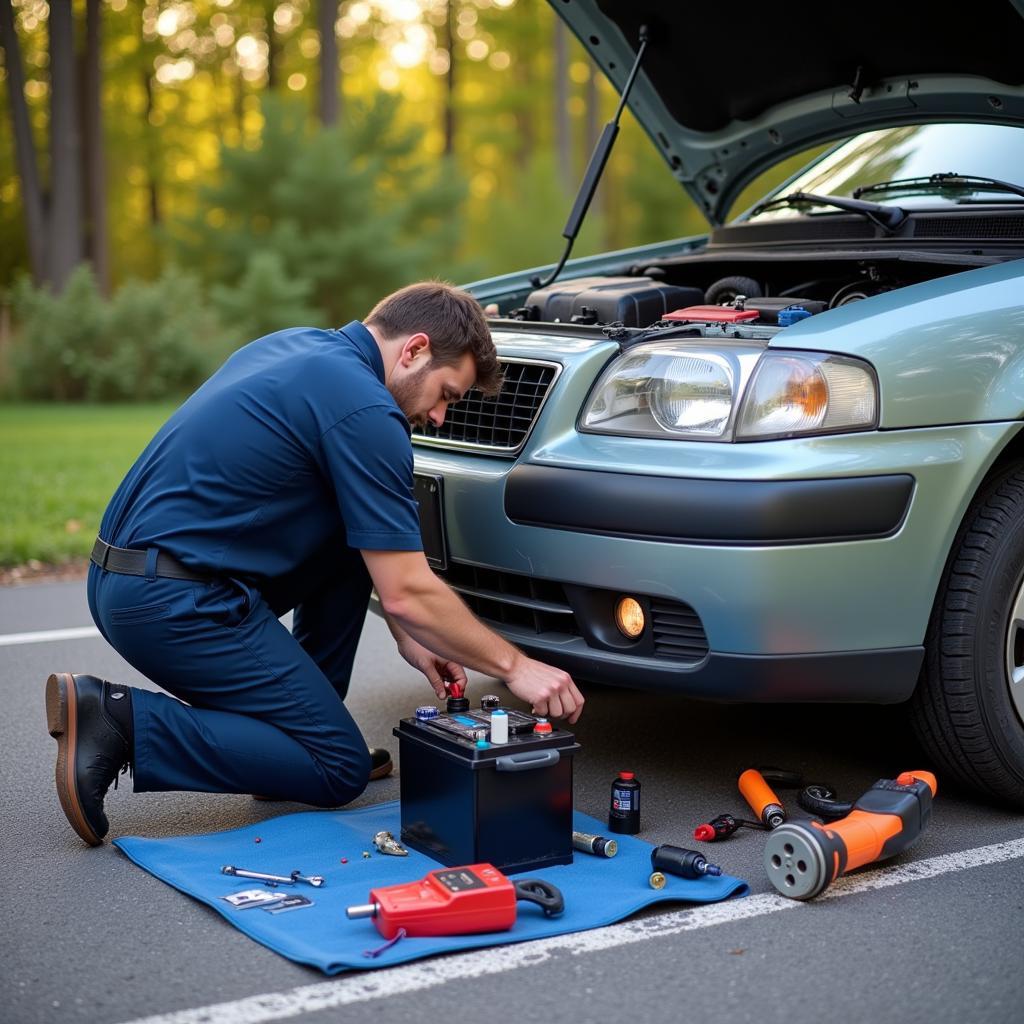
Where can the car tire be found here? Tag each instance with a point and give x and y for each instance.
(963, 710)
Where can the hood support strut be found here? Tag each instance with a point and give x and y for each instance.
(595, 168)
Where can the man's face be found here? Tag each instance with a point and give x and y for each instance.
(423, 389)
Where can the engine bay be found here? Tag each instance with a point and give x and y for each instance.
(768, 276)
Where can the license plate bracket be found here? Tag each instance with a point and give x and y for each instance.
(428, 491)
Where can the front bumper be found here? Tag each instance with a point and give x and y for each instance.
(789, 611)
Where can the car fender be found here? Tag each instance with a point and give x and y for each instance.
(946, 351)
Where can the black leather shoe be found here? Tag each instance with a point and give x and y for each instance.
(381, 764)
(91, 721)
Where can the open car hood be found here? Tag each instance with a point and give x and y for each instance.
(726, 92)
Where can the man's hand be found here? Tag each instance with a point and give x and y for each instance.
(425, 615)
(437, 670)
(550, 692)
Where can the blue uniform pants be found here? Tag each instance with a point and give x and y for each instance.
(259, 709)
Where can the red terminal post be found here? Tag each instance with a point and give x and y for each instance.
(457, 699)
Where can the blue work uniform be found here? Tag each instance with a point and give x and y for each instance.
(291, 459)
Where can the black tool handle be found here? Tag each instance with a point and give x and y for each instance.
(544, 894)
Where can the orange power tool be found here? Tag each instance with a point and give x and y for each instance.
(803, 859)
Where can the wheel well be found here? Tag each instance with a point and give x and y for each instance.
(1012, 453)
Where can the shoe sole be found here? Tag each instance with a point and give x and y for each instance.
(62, 722)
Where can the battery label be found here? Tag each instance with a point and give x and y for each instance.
(625, 800)
(459, 880)
(471, 725)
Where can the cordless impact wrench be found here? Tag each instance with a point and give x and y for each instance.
(802, 859)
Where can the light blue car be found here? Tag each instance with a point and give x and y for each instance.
(783, 461)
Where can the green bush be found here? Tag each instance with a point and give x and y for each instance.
(265, 300)
(355, 211)
(151, 340)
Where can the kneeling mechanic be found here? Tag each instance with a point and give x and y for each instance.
(285, 482)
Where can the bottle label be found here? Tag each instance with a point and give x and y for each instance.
(625, 800)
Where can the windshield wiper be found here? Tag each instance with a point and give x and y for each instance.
(888, 218)
(944, 180)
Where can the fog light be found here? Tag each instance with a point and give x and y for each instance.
(629, 617)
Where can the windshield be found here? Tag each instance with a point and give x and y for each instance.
(990, 151)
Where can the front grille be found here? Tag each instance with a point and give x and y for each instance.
(511, 599)
(500, 424)
(541, 607)
(678, 631)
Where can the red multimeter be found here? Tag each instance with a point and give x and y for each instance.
(455, 901)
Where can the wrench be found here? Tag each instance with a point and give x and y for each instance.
(274, 880)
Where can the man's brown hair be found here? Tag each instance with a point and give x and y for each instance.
(450, 317)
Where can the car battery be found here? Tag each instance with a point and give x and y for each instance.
(631, 301)
(467, 801)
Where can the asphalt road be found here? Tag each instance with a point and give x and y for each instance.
(934, 935)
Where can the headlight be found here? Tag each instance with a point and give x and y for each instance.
(670, 389)
(807, 393)
(689, 390)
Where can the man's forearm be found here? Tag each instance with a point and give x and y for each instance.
(437, 618)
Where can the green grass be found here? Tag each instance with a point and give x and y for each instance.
(59, 465)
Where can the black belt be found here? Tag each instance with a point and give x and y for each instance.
(129, 562)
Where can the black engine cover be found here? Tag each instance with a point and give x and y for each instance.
(631, 301)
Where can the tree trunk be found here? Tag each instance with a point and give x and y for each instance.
(65, 236)
(94, 163)
(522, 70)
(563, 130)
(329, 95)
(24, 148)
(449, 78)
(273, 46)
(152, 154)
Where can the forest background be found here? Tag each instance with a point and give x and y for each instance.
(178, 177)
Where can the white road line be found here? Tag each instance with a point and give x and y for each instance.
(47, 635)
(415, 977)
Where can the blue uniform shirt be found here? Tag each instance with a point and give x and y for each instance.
(294, 441)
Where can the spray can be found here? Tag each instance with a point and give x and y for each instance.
(624, 811)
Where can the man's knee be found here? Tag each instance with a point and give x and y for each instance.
(345, 777)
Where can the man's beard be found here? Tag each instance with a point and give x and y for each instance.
(406, 393)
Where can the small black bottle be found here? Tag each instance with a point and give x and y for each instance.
(624, 810)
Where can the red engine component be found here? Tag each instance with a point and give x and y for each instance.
(712, 315)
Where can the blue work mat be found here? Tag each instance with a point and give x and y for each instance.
(597, 890)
